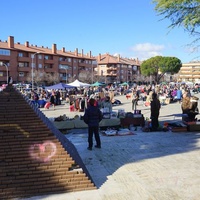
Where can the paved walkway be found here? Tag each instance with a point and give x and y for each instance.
(143, 166)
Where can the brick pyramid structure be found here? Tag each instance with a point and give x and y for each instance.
(35, 158)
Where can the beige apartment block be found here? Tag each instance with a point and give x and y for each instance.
(190, 72)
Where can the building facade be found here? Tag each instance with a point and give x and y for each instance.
(22, 60)
(17, 60)
(190, 72)
(117, 69)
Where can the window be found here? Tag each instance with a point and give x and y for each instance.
(4, 52)
(3, 63)
(40, 66)
(61, 58)
(48, 66)
(39, 56)
(46, 57)
(1, 73)
(94, 62)
(74, 60)
(69, 59)
(20, 54)
(61, 75)
(23, 64)
(63, 66)
(21, 74)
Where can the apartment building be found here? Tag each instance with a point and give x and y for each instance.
(17, 60)
(117, 69)
(20, 60)
(190, 72)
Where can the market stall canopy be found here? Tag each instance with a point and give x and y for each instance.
(59, 86)
(124, 83)
(164, 83)
(77, 83)
(189, 83)
(97, 84)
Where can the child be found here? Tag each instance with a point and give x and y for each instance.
(71, 107)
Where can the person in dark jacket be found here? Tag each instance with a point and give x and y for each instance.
(92, 117)
(53, 99)
(155, 110)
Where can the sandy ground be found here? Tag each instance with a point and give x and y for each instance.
(143, 166)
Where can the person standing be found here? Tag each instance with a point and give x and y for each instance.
(155, 111)
(179, 95)
(92, 117)
(10, 80)
(107, 104)
(135, 98)
(53, 99)
(58, 96)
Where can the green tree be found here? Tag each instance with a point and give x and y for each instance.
(185, 13)
(157, 66)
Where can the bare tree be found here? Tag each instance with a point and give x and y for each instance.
(52, 78)
(85, 76)
(38, 77)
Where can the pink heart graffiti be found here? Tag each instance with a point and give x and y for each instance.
(43, 152)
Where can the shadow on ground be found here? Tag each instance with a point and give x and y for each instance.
(120, 150)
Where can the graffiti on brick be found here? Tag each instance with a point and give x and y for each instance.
(42, 152)
(17, 127)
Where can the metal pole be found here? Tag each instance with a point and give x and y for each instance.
(32, 69)
(66, 74)
(92, 73)
(6, 71)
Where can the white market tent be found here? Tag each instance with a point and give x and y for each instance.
(77, 83)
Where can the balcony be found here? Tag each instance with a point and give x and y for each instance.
(3, 68)
(23, 59)
(48, 61)
(4, 57)
(111, 74)
(112, 68)
(49, 70)
(63, 62)
(24, 69)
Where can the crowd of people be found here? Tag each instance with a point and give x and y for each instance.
(77, 97)
(94, 101)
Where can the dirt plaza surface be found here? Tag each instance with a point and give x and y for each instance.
(142, 166)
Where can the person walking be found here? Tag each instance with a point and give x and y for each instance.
(92, 117)
(155, 110)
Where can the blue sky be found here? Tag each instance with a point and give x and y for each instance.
(130, 28)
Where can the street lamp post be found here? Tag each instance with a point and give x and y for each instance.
(66, 73)
(92, 73)
(32, 69)
(6, 71)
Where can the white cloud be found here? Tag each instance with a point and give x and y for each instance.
(146, 50)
